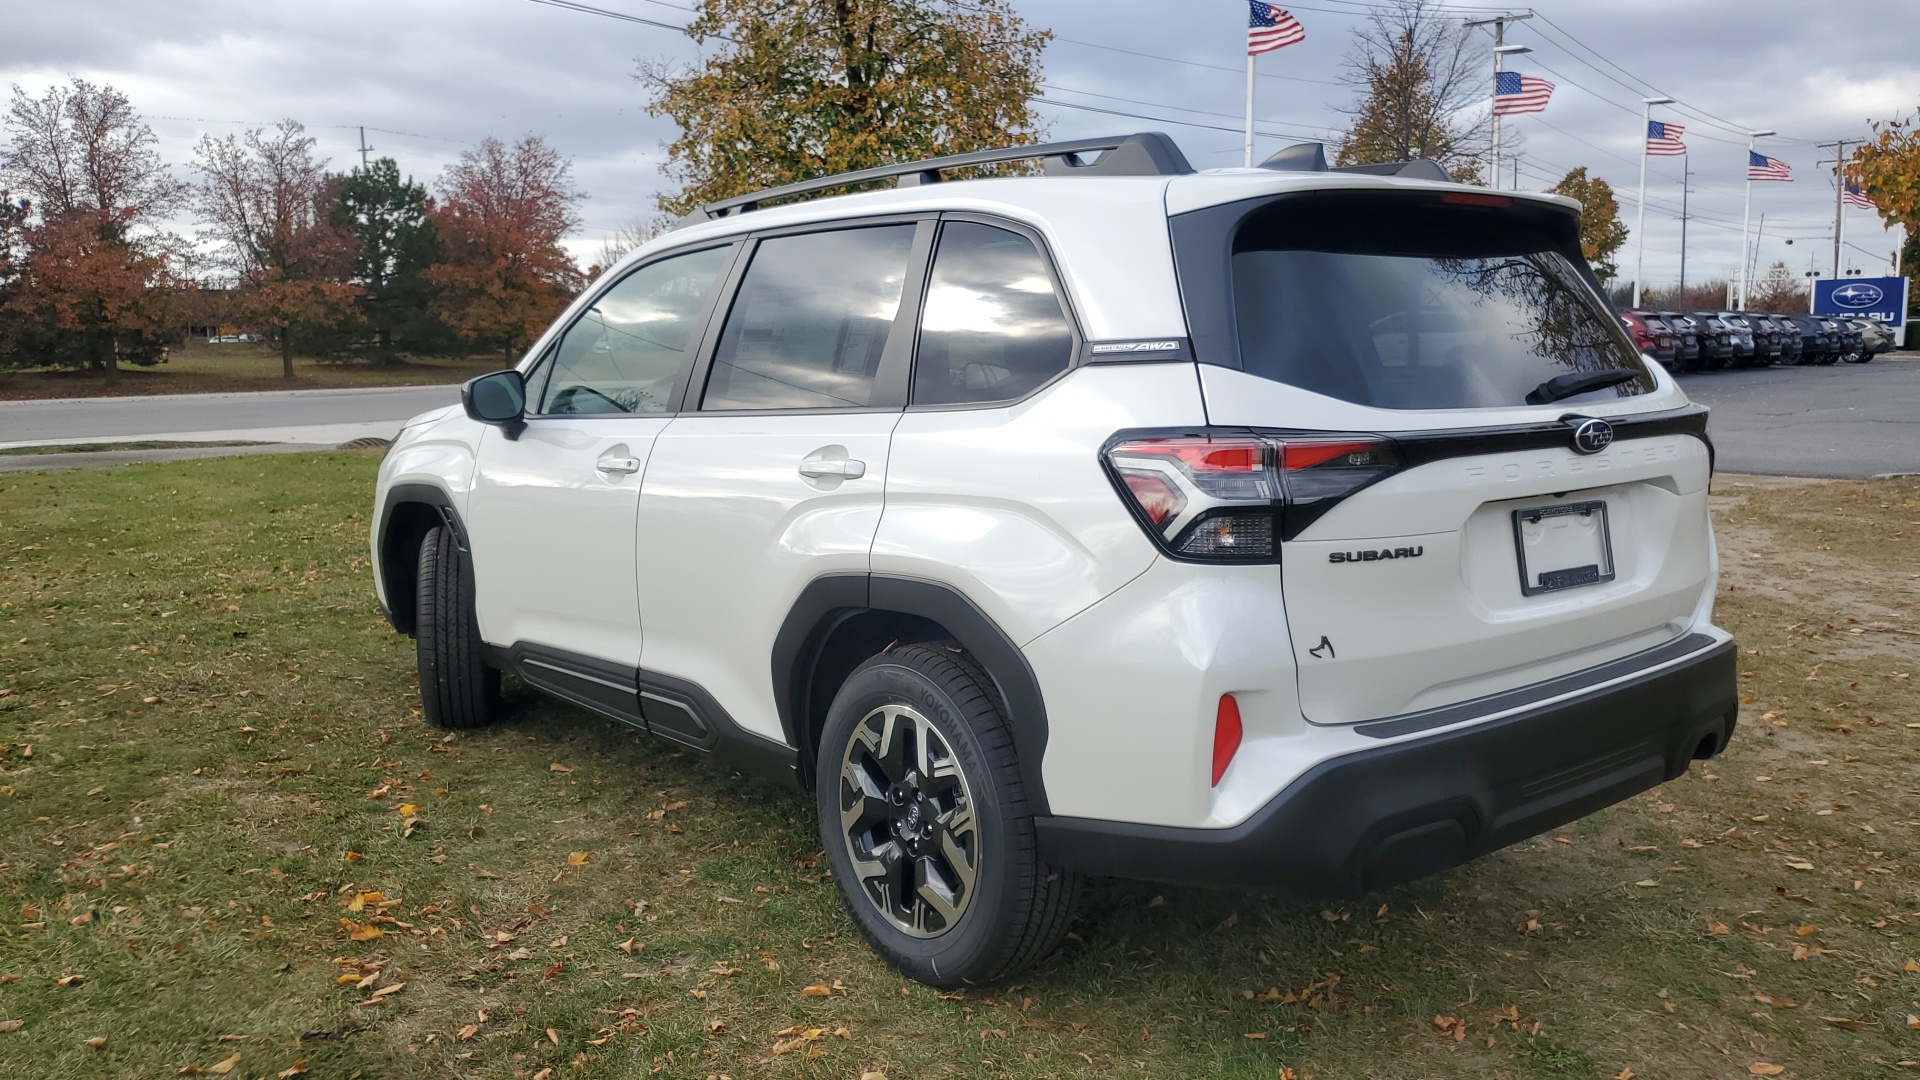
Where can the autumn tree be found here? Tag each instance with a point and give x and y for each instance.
(95, 245)
(1417, 69)
(1887, 168)
(797, 90)
(266, 202)
(502, 213)
(394, 243)
(1779, 291)
(1601, 231)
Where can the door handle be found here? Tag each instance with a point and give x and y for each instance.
(845, 468)
(620, 465)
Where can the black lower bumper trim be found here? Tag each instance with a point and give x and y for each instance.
(1393, 813)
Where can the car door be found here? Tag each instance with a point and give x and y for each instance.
(775, 472)
(552, 511)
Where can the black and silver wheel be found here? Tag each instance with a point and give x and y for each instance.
(457, 688)
(925, 822)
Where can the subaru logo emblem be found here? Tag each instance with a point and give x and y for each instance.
(1591, 436)
(1857, 295)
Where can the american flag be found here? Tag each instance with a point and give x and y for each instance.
(1663, 139)
(1269, 28)
(1517, 93)
(1855, 197)
(1762, 167)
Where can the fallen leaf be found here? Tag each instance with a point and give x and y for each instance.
(817, 990)
(385, 990)
(224, 1067)
(1647, 883)
(1625, 1074)
(1912, 968)
(553, 1037)
(543, 1074)
(1803, 952)
(1799, 864)
(298, 1068)
(361, 932)
(96, 1043)
(467, 1032)
(1254, 1035)
(576, 858)
(1806, 928)
(1913, 1022)
(1766, 1068)
(407, 809)
(1717, 928)
(65, 981)
(11, 1025)
(559, 768)
(1843, 1022)
(629, 947)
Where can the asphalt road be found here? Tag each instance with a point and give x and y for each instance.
(278, 416)
(1848, 420)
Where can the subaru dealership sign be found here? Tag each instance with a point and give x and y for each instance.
(1883, 299)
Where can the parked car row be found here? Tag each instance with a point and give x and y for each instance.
(1705, 340)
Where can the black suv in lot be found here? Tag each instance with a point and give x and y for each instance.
(1816, 339)
(1740, 347)
(1686, 338)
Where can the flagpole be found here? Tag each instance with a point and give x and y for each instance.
(1249, 148)
(1493, 181)
(1746, 216)
(1640, 226)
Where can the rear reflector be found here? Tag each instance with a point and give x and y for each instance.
(1226, 736)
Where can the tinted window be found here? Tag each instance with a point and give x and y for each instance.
(625, 354)
(811, 321)
(992, 328)
(1405, 303)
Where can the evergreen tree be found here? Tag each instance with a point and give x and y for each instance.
(395, 242)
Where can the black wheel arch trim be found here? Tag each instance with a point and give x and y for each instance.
(397, 557)
(830, 601)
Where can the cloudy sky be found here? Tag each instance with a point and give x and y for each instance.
(429, 77)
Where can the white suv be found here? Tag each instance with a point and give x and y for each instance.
(1290, 527)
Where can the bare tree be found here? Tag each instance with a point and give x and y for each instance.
(266, 202)
(82, 147)
(625, 239)
(1418, 69)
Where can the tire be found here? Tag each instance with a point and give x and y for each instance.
(1828, 358)
(999, 909)
(457, 689)
(1861, 357)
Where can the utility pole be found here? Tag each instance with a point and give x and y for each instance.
(1839, 193)
(1500, 50)
(1686, 181)
(364, 149)
(1640, 227)
(1745, 217)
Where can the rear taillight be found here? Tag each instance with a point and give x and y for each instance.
(1233, 496)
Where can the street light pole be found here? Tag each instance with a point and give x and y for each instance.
(1640, 226)
(1746, 216)
(1500, 48)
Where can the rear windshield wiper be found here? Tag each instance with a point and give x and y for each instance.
(1578, 382)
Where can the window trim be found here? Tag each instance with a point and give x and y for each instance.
(1067, 310)
(890, 380)
(541, 367)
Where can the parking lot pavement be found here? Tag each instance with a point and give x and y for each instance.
(1848, 420)
(316, 417)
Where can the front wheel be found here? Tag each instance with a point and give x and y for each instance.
(925, 821)
(457, 688)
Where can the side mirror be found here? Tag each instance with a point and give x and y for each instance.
(499, 399)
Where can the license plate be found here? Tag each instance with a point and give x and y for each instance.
(1564, 546)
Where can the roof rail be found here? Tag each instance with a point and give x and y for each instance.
(1312, 157)
(1147, 153)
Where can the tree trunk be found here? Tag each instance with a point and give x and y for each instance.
(286, 354)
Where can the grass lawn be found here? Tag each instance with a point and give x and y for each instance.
(228, 844)
(199, 368)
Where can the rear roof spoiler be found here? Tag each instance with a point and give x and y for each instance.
(1312, 157)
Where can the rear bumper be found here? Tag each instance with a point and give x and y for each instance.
(1382, 816)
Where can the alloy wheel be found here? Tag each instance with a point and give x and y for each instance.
(907, 818)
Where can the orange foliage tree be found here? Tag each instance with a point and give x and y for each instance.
(92, 271)
(1887, 168)
(800, 90)
(501, 215)
(266, 203)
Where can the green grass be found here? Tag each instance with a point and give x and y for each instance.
(223, 732)
(92, 448)
(200, 368)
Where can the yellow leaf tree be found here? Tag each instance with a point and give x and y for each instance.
(1887, 168)
(798, 89)
(1601, 231)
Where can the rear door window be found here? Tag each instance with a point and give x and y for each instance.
(811, 321)
(992, 328)
(1412, 303)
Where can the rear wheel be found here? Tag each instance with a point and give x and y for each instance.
(457, 688)
(925, 821)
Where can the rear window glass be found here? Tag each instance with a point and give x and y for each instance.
(1409, 303)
